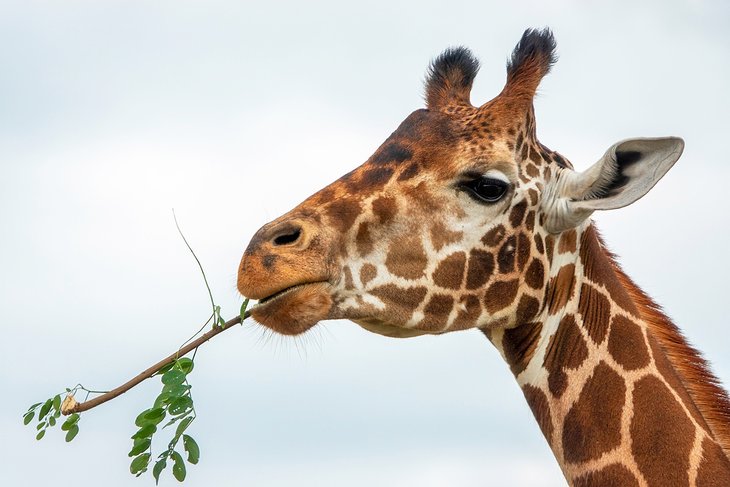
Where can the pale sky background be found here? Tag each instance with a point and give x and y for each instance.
(112, 113)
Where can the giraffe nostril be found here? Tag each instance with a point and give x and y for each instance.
(288, 237)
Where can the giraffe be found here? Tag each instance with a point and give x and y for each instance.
(462, 219)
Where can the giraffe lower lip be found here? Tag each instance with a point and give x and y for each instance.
(273, 297)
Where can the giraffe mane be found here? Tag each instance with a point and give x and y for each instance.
(693, 369)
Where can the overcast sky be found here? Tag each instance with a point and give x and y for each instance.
(112, 113)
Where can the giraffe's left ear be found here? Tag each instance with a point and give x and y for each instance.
(625, 173)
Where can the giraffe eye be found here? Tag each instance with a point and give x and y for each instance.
(485, 189)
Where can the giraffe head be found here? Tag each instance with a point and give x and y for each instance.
(452, 222)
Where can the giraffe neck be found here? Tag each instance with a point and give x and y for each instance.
(612, 405)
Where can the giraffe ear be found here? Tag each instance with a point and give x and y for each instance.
(625, 173)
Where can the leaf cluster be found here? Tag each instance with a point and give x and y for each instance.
(48, 414)
(174, 403)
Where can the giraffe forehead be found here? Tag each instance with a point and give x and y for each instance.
(441, 145)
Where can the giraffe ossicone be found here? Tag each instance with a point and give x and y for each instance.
(463, 219)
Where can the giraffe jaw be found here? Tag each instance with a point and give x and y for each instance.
(295, 309)
(386, 329)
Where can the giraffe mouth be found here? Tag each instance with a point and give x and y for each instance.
(295, 309)
(278, 294)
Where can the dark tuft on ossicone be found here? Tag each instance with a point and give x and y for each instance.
(450, 77)
(536, 49)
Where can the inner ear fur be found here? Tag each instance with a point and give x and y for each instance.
(625, 173)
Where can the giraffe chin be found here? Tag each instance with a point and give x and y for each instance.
(296, 310)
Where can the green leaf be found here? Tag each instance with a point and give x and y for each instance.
(165, 368)
(72, 432)
(150, 416)
(70, 421)
(175, 390)
(139, 420)
(139, 464)
(173, 376)
(244, 305)
(183, 426)
(145, 431)
(192, 448)
(178, 469)
(221, 322)
(28, 417)
(40, 434)
(162, 400)
(155, 416)
(175, 419)
(158, 468)
(185, 364)
(57, 402)
(40, 425)
(180, 405)
(34, 406)
(52, 421)
(45, 408)
(140, 445)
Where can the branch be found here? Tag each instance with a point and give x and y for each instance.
(70, 407)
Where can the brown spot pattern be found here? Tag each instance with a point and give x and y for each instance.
(342, 214)
(494, 236)
(560, 289)
(408, 298)
(385, 208)
(593, 424)
(530, 221)
(566, 350)
(567, 241)
(450, 271)
(597, 267)
(527, 309)
(519, 345)
(362, 239)
(535, 274)
(500, 295)
(481, 266)
(595, 310)
(714, 467)
(406, 258)
(523, 251)
(517, 213)
(538, 244)
(349, 284)
(670, 375)
(467, 317)
(654, 410)
(614, 475)
(437, 312)
(626, 344)
(441, 236)
(506, 256)
(549, 246)
(368, 273)
(532, 171)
